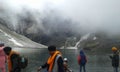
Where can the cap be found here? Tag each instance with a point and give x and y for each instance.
(114, 49)
(65, 59)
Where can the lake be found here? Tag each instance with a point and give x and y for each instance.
(38, 56)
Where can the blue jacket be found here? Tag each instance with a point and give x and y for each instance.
(82, 58)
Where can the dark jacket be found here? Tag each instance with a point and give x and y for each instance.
(115, 60)
(15, 63)
(59, 63)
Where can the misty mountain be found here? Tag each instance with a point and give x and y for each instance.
(11, 38)
(51, 28)
(98, 43)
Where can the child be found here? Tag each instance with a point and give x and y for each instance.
(66, 65)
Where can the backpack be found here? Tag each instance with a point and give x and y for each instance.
(23, 62)
(78, 58)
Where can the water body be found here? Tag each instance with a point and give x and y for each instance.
(37, 57)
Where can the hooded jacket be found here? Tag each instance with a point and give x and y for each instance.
(82, 58)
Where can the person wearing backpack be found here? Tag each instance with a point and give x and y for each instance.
(82, 60)
(12, 57)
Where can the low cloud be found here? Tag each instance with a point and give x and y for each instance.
(84, 15)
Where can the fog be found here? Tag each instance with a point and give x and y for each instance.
(84, 15)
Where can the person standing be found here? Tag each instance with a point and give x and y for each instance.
(66, 67)
(13, 64)
(54, 62)
(2, 58)
(115, 59)
(82, 60)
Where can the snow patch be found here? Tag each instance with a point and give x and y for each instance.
(94, 38)
(11, 38)
(15, 42)
(69, 48)
(85, 37)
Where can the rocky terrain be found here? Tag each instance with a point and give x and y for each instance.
(13, 39)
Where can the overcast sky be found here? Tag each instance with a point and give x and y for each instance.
(91, 15)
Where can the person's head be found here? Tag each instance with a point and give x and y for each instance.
(114, 49)
(51, 49)
(1, 44)
(65, 60)
(7, 50)
(81, 52)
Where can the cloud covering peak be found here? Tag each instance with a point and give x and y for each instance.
(88, 15)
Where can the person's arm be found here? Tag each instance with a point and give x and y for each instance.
(60, 65)
(43, 66)
(86, 59)
(111, 57)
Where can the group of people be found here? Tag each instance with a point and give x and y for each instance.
(7, 55)
(55, 62)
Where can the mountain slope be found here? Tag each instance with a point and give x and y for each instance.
(13, 39)
(98, 43)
